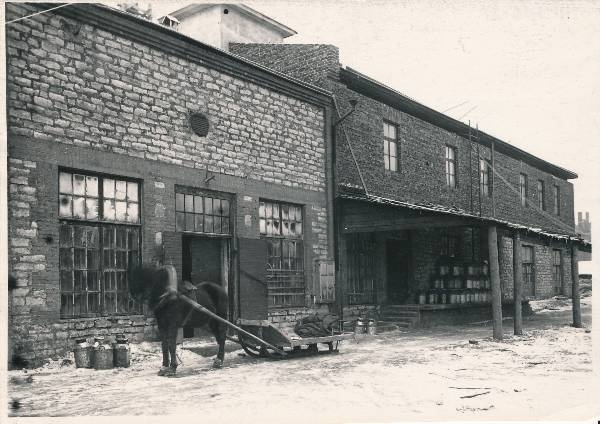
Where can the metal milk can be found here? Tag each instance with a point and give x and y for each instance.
(371, 327)
(359, 327)
(103, 354)
(121, 352)
(83, 353)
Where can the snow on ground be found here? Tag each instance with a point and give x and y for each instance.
(450, 373)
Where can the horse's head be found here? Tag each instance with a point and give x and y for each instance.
(147, 283)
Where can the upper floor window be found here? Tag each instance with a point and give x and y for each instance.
(202, 212)
(98, 198)
(390, 147)
(541, 195)
(523, 189)
(450, 166)
(556, 200)
(484, 177)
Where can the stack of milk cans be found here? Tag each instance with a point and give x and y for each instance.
(102, 354)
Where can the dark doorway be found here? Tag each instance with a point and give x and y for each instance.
(398, 270)
(202, 261)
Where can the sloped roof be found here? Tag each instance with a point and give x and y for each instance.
(458, 212)
(193, 9)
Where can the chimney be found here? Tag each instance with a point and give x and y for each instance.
(579, 217)
(587, 217)
(219, 24)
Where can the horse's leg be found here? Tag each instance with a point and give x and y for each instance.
(163, 332)
(173, 347)
(219, 330)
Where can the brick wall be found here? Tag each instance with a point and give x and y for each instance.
(421, 177)
(103, 103)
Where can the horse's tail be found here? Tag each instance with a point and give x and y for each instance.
(218, 295)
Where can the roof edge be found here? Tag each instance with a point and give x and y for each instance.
(421, 111)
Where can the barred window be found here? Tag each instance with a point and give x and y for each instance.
(528, 266)
(202, 212)
(361, 255)
(281, 225)
(449, 245)
(391, 154)
(557, 271)
(450, 166)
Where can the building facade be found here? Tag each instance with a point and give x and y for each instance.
(130, 142)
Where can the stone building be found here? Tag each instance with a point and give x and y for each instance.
(127, 142)
(416, 193)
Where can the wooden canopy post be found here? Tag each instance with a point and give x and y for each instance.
(517, 283)
(495, 280)
(575, 287)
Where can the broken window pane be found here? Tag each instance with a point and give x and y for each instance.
(79, 207)
(79, 184)
(108, 187)
(132, 212)
(120, 190)
(120, 211)
(91, 206)
(65, 205)
(65, 183)
(132, 191)
(91, 186)
(109, 210)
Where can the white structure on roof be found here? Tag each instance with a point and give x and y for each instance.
(218, 24)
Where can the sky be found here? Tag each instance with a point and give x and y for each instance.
(527, 72)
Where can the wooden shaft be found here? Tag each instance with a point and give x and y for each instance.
(211, 314)
(518, 283)
(495, 280)
(575, 287)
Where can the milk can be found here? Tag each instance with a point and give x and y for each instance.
(359, 327)
(121, 352)
(83, 353)
(103, 354)
(371, 327)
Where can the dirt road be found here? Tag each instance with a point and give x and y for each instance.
(413, 375)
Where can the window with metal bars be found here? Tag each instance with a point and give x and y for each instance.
(450, 166)
(528, 267)
(281, 226)
(99, 239)
(391, 154)
(361, 254)
(557, 271)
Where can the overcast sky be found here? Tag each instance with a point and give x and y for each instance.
(527, 72)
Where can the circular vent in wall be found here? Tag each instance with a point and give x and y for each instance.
(199, 124)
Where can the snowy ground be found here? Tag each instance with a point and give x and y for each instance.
(450, 373)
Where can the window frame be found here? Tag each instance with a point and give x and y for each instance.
(557, 270)
(556, 200)
(100, 225)
(277, 246)
(186, 191)
(528, 268)
(485, 178)
(541, 192)
(387, 144)
(451, 164)
(523, 189)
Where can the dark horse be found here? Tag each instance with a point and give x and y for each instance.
(157, 286)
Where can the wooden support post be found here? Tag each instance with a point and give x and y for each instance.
(575, 287)
(517, 283)
(495, 280)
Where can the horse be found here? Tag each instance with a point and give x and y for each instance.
(158, 287)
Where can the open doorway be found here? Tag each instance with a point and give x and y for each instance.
(204, 259)
(398, 270)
